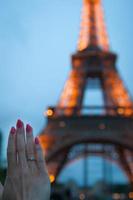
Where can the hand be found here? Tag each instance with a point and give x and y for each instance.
(27, 177)
(1, 191)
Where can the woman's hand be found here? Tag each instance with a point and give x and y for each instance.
(27, 177)
(1, 191)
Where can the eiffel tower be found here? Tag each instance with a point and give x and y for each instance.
(75, 130)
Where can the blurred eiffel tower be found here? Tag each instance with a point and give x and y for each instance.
(74, 130)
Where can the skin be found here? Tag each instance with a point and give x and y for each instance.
(1, 190)
(26, 180)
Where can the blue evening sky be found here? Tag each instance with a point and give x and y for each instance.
(37, 38)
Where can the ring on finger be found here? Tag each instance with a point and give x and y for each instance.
(31, 158)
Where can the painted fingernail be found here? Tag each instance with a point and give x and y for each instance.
(19, 123)
(37, 140)
(13, 130)
(28, 128)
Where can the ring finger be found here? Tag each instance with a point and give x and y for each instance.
(30, 148)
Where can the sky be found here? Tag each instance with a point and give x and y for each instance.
(37, 38)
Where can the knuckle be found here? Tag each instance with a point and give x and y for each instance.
(30, 154)
(23, 166)
(21, 150)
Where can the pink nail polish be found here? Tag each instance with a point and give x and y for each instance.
(28, 128)
(12, 131)
(37, 140)
(19, 124)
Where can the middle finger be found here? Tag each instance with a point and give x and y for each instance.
(20, 137)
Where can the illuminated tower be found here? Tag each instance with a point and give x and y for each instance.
(70, 124)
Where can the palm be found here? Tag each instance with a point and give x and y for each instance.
(37, 184)
(40, 188)
(9, 190)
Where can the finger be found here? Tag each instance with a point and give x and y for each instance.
(30, 147)
(20, 136)
(39, 156)
(11, 151)
(1, 190)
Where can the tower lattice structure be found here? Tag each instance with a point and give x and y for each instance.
(74, 130)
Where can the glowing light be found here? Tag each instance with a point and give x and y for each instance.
(45, 141)
(92, 9)
(129, 112)
(71, 93)
(77, 63)
(116, 196)
(120, 111)
(52, 178)
(93, 32)
(49, 112)
(130, 195)
(118, 94)
(82, 196)
(92, 1)
(102, 126)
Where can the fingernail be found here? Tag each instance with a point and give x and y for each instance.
(37, 140)
(28, 128)
(19, 123)
(13, 130)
